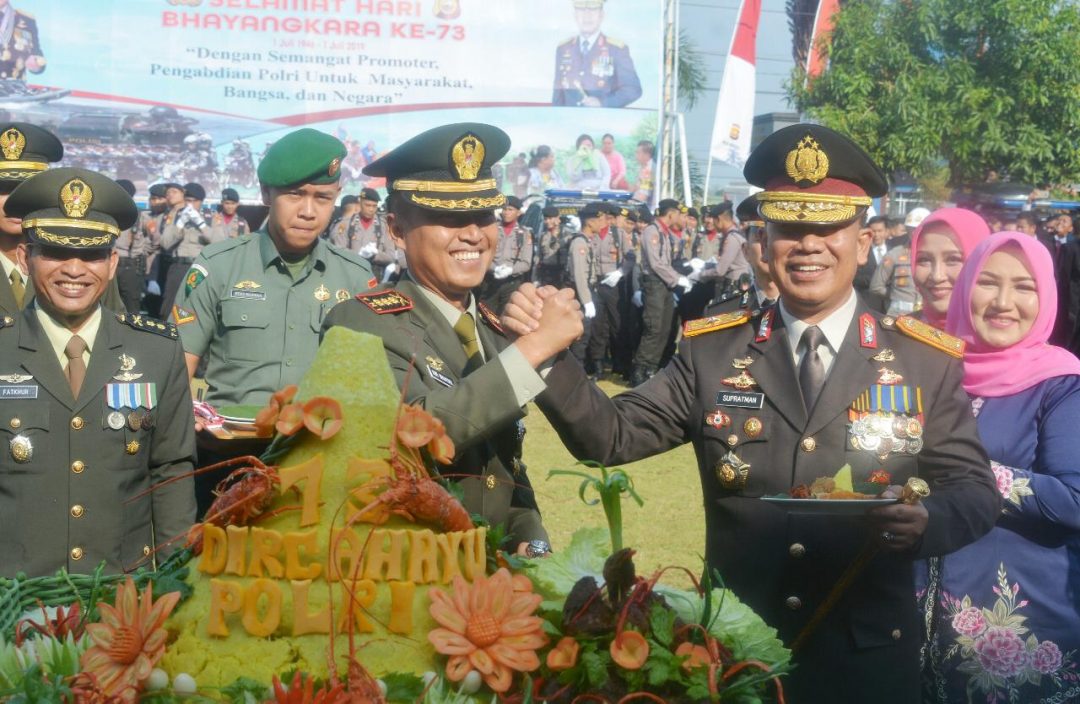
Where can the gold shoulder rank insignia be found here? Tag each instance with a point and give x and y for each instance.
(618, 44)
(383, 302)
(692, 328)
(490, 318)
(148, 324)
(930, 335)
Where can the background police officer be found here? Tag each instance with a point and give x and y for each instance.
(96, 406)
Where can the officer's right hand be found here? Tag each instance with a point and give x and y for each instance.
(522, 312)
(560, 324)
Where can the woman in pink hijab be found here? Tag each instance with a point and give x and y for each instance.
(939, 248)
(1005, 610)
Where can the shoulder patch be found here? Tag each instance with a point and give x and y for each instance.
(693, 328)
(148, 324)
(490, 318)
(928, 334)
(383, 302)
(194, 277)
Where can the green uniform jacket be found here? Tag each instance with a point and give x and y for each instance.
(480, 411)
(784, 564)
(260, 328)
(83, 497)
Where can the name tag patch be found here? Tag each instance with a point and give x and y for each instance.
(14, 392)
(735, 399)
(440, 377)
(247, 295)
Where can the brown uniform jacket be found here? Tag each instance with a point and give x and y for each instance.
(82, 497)
(784, 564)
(480, 410)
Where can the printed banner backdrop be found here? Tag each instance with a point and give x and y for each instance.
(195, 90)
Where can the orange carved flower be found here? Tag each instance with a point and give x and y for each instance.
(629, 650)
(564, 655)
(128, 641)
(416, 428)
(696, 656)
(323, 417)
(488, 627)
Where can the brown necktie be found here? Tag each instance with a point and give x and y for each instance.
(466, 332)
(76, 368)
(17, 287)
(811, 369)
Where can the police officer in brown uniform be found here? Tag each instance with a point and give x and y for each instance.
(610, 263)
(815, 383)
(135, 247)
(513, 260)
(551, 250)
(365, 233)
(227, 223)
(96, 408)
(446, 349)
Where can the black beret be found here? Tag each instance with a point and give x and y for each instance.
(172, 184)
(446, 168)
(813, 174)
(26, 150)
(551, 212)
(667, 204)
(514, 202)
(230, 195)
(72, 208)
(349, 200)
(747, 210)
(303, 156)
(370, 194)
(692, 212)
(157, 190)
(194, 190)
(591, 210)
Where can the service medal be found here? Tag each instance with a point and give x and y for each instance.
(888, 377)
(134, 420)
(22, 450)
(147, 422)
(718, 419)
(116, 420)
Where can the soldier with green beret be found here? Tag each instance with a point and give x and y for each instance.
(468, 373)
(96, 408)
(253, 305)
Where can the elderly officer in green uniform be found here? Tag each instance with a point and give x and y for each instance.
(446, 349)
(254, 305)
(817, 382)
(96, 409)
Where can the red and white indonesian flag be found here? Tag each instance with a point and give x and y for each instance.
(823, 25)
(735, 106)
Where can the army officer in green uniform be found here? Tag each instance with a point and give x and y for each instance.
(253, 305)
(95, 406)
(446, 349)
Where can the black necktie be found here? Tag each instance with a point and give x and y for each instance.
(811, 369)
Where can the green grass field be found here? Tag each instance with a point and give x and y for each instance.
(668, 530)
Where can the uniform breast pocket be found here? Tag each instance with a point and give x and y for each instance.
(245, 323)
(25, 430)
(734, 439)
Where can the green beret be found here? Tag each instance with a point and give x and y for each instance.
(25, 150)
(447, 168)
(303, 156)
(72, 208)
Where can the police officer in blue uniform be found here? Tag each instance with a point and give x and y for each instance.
(594, 70)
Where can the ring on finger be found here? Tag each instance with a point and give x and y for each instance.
(887, 536)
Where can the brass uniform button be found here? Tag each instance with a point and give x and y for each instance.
(77, 423)
(796, 550)
(793, 602)
(896, 634)
(15, 423)
(76, 553)
(809, 444)
(146, 550)
(490, 481)
(77, 466)
(76, 511)
(733, 440)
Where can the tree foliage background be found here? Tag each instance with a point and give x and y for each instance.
(959, 85)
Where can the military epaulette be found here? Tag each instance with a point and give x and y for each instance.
(693, 328)
(216, 248)
(148, 324)
(615, 42)
(383, 302)
(928, 334)
(490, 318)
(6, 321)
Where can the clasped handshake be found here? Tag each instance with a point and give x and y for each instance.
(544, 320)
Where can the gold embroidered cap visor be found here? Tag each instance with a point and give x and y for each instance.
(26, 150)
(446, 168)
(814, 175)
(72, 208)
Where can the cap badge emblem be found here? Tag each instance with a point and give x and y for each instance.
(75, 198)
(12, 144)
(334, 167)
(466, 157)
(806, 164)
